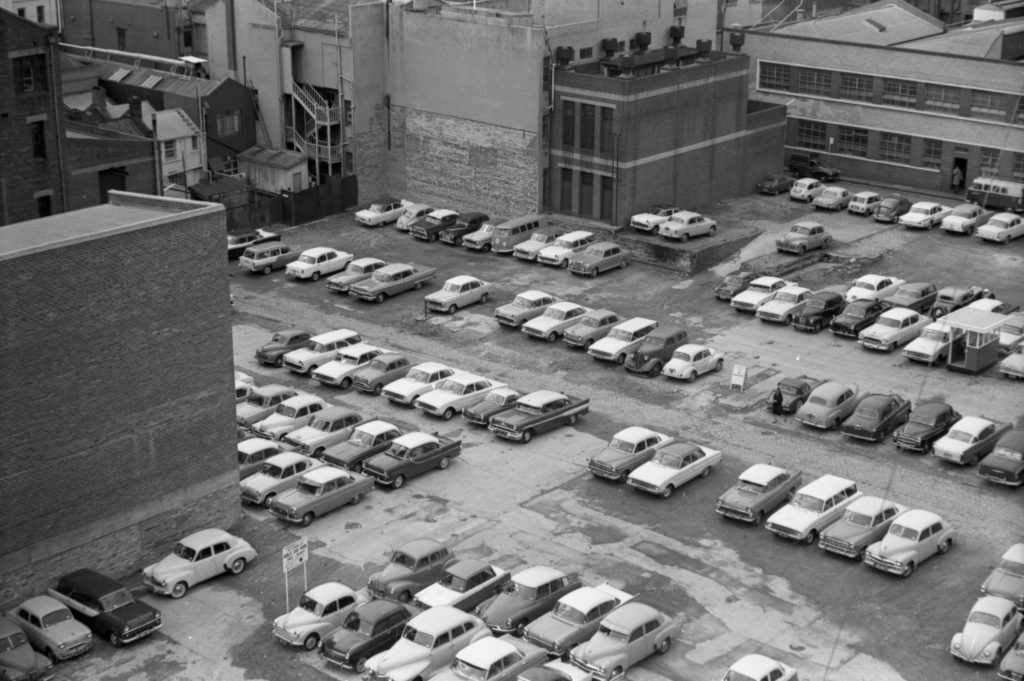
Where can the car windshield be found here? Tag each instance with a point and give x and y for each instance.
(612, 634)
(310, 605)
(358, 624)
(452, 287)
(959, 436)
(377, 207)
(594, 251)
(817, 400)
(15, 640)
(307, 259)
(562, 243)
(285, 410)
(526, 593)
(808, 503)
(360, 438)
(998, 224)
(379, 365)
(733, 280)
(308, 487)
(787, 297)
(748, 487)
(1008, 454)
(465, 670)
(555, 313)
(381, 275)
(418, 637)
(790, 388)
(1012, 329)
(401, 558)
(118, 598)
(56, 617)
(569, 614)
(669, 459)
(454, 582)
(683, 356)
(622, 446)
(356, 269)
(419, 376)
(522, 301)
(867, 412)
(592, 322)
(903, 531)
(737, 676)
(815, 305)
(496, 398)
(399, 451)
(920, 210)
(985, 618)
(272, 470)
(860, 519)
(540, 238)
(890, 322)
(186, 552)
(434, 220)
(760, 288)
(925, 419)
(259, 400)
(530, 409)
(321, 424)
(966, 211)
(487, 229)
(249, 253)
(856, 312)
(1011, 567)
(621, 334)
(934, 334)
(453, 386)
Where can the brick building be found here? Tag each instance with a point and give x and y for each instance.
(116, 408)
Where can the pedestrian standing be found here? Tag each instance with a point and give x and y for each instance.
(958, 179)
(776, 404)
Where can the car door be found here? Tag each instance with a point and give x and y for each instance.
(701, 361)
(204, 565)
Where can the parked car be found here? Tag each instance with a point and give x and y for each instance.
(917, 296)
(891, 208)
(1011, 333)
(965, 218)
(1001, 228)
(865, 521)
(196, 558)
(1007, 579)
(358, 270)
(926, 424)
(481, 238)
(369, 629)
(458, 292)
(412, 213)
(253, 451)
(933, 344)
(261, 403)
(464, 584)
(471, 222)
(280, 344)
(809, 165)
(893, 328)
(828, 405)
(541, 239)
(507, 235)
(863, 203)
(1005, 465)
(267, 257)
(529, 594)
(656, 349)
(317, 262)
(329, 426)
(690, 361)
(788, 302)
(391, 280)
(237, 243)
(366, 440)
(1012, 666)
(18, 662)
(381, 371)
(795, 390)
(622, 340)
(759, 668)
(419, 653)
(627, 636)
(734, 284)
(51, 628)
(575, 618)
(242, 390)
(381, 211)
(319, 492)
(455, 393)
(420, 380)
(760, 489)
(495, 402)
(993, 305)
(804, 236)
(652, 219)
(925, 215)
(952, 298)
(913, 538)
(106, 606)
(760, 291)
(339, 371)
(320, 348)
(563, 247)
(1012, 365)
(599, 257)
(876, 417)
(278, 474)
(775, 184)
(672, 466)
(857, 316)
(556, 319)
(833, 198)
(591, 327)
(806, 189)
(686, 224)
(429, 228)
(814, 507)
(873, 287)
(990, 629)
(410, 455)
(628, 449)
(820, 308)
(969, 440)
(410, 567)
(321, 610)
(538, 412)
(494, 659)
(524, 307)
(291, 414)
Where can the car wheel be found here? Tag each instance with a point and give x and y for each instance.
(788, 320)
(520, 628)
(593, 273)
(398, 482)
(909, 570)
(483, 297)
(551, 337)
(878, 437)
(379, 299)
(453, 308)
(818, 326)
(684, 237)
(527, 436)
(486, 248)
(811, 537)
(404, 597)
(564, 263)
(667, 492)
(587, 343)
(623, 475)
(448, 414)
(418, 285)
(115, 639)
(944, 545)
(315, 276)
(268, 499)
(378, 388)
(345, 384)
(311, 642)
(616, 672)
(237, 566)
(759, 518)
(279, 362)
(663, 647)
(691, 377)
(827, 243)
(268, 269)
(621, 359)
(711, 232)
(572, 419)
(360, 665)
(51, 656)
(307, 519)
(655, 370)
(860, 553)
(622, 265)
(706, 472)
(718, 365)
(797, 405)
(801, 250)
(356, 499)
(179, 590)
(444, 462)
(834, 423)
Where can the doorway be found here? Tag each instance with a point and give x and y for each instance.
(959, 163)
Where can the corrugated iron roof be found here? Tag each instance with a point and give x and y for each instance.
(879, 23)
(154, 79)
(174, 124)
(983, 40)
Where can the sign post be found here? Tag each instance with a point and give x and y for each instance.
(739, 377)
(292, 556)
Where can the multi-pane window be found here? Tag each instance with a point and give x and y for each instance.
(228, 122)
(853, 141)
(1018, 118)
(566, 194)
(814, 82)
(811, 134)
(855, 86)
(1017, 172)
(40, 14)
(569, 124)
(170, 150)
(586, 53)
(586, 194)
(606, 129)
(893, 147)
(931, 154)
(30, 73)
(774, 76)
(588, 117)
(989, 161)
(941, 98)
(38, 139)
(899, 92)
(989, 105)
(122, 39)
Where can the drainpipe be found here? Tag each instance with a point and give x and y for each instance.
(53, 54)
(156, 160)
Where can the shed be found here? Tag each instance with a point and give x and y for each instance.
(978, 348)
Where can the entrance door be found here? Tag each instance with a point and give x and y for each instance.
(111, 178)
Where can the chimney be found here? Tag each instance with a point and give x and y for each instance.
(135, 108)
(99, 97)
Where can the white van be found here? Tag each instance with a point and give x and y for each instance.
(320, 349)
(557, 254)
(622, 340)
(1000, 195)
(515, 231)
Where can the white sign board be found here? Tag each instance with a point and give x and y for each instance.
(739, 377)
(295, 554)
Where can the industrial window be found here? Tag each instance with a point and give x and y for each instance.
(228, 122)
(853, 141)
(566, 193)
(195, 142)
(588, 116)
(21, 12)
(774, 76)
(43, 206)
(30, 73)
(587, 194)
(1018, 118)
(586, 53)
(679, 8)
(854, 86)
(811, 135)
(40, 14)
(39, 139)
(170, 150)
(122, 39)
(1018, 167)
(893, 147)
(607, 194)
(546, 78)
(931, 155)
(989, 161)
(989, 105)
(899, 92)
(941, 98)
(814, 82)
(607, 135)
(569, 124)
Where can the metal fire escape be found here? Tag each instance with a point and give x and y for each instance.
(316, 129)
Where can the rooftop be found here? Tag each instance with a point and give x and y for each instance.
(891, 22)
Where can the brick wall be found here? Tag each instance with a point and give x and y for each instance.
(88, 157)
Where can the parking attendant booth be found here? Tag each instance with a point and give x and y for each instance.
(978, 348)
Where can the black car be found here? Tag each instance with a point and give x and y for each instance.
(794, 390)
(282, 342)
(917, 296)
(369, 629)
(1005, 465)
(821, 308)
(809, 165)
(429, 228)
(496, 402)
(467, 223)
(775, 184)
(237, 243)
(655, 350)
(891, 208)
(528, 595)
(106, 606)
(951, 298)
(876, 416)
(733, 284)
(858, 315)
(928, 423)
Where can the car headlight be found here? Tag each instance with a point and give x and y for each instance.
(508, 623)
(990, 650)
(955, 645)
(62, 646)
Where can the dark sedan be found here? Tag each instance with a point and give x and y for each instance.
(733, 284)
(858, 315)
(918, 296)
(1005, 465)
(876, 416)
(794, 392)
(928, 423)
(775, 184)
(821, 308)
(369, 629)
(891, 208)
(282, 342)
(237, 243)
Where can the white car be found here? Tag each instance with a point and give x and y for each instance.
(1013, 365)
(381, 211)
(420, 380)
(963, 443)
(556, 319)
(412, 213)
(759, 668)
(649, 221)
(427, 645)
(685, 224)
(806, 189)
(623, 339)
(319, 349)
(196, 558)
(760, 291)
(321, 610)
(458, 292)
(293, 413)
(788, 303)
(558, 253)
(893, 328)
(279, 473)
(690, 361)
(316, 262)
(329, 427)
(965, 218)
(989, 631)
(338, 372)
(925, 215)
(864, 203)
(464, 584)
(932, 346)
(1002, 228)
(673, 466)
(914, 537)
(874, 287)
(814, 507)
(1011, 334)
(456, 393)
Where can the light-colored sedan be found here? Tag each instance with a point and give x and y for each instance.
(458, 292)
(455, 393)
(893, 328)
(316, 262)
(874, 287)
(556, 319)
(686, 224)
(412, 213)
(627, 636)
(198, 557)
(913, 538)
(833, 198)
(321, 610)
(1002, 228)
(690, 361)
(673, 466)
(51, 629)
(989, 631)
(381, 211)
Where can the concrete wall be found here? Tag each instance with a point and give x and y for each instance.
(153, 29)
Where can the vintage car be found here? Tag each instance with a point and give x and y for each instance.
(628, 449)
(528, 595)
(833, 198)
(795, 390)
(381, 211)
(828, 405)
(759, 668)
(412, 213)
(626, 637)
(391, 280)
(509, 233)
(556, 319)
(279, 473)
(591, 327)
(806, 189)
(357, 271)
(734, 284)
(261, 403)
(369, 629)
(1001, 228)
(969, 440)
(775, 184)
(1005, 465)
(464, 584)
(458, 292)
(863, 203)
(481, 238)
(672, 466)
(538, 412)
(925, 215)
(428, 644)
(321, 348)
(429, 228)
(1007, 579)
(410, 567)
(321, 610)
(856, 316)
(366, 440)
(456, 393)
(316, 262)
(329, 426)
(656, 349)
(952, 298)
(820, 308)
(410, 455)
(913, 538)
(891, 208)
(339, 371)
(495, 402)
(106, 606)
(865, 521)
(965, 218)
(873, 287)
(1011, 333)
(804, 236)
(381, 371)
(290, 415)
(621, 340)
(917, 296)
(1012, 666)
(237, 243)
(599, 257)
(810, 165)
(243, 388)
(760, 490)
(541, 239)
(649, 221)
(563, 247)
(933, 344)
(787, 304)
(196, 558)
(690, 361)
(524, 307)
(471, 222)
(268, 257)
(18, 661)
(319, 492)
(51, 628)
(686, 224)
(419, 380)
(280, 344)
(893, 328)
(575, 618)
(493, 659)
(253, 452)
(993, 305)
(991, 628)
(927, 423)
(814, 507)
(760, 291)
(1012, 365)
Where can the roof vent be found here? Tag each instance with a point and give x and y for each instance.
(643, 41)
(703, 48)
(676, 33)
(564, 56)
(609, 46)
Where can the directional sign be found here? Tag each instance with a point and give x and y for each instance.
(295, 554)
(739, 377)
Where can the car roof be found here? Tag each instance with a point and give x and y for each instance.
(388, 356)
(925, 204)
(285, 459)
(806, 180)
(41, 605)
(809, 223)
(794, 288)
(255, 444)
(918, 519)
(870, 279)
(301, 400)
(364, 261)
(323, 474)
(900, 313)
(259, 248)
(830, 389)
(375, 427)
(686, 214)
(931, 408)
(600, 312)
(272, 389)
(539, 398)
(472, 215)
(439, 619)
(486, 651)
(7, 627)
(329, 591)
(666, 331)
(915, 285)
(204, 538)
(869, 504)
(603, 245)
(378, 609)
(395, 267)
(414, 439)
(629, 615)
(585, 598)
(826, 295)
(336, 334)
(1014, 553)
(635, 323)
(319, 250)
(467, 567)
(332, 413)
(416, 206)
(691, 348)
(418, 548)
(972, 423)
(875, 398)
(431, 367)
(505, 392)
(634, 433)
(867, 195)
(766, 281)
(761, 473)
(383, 199)
(539, 575)
(566, 305)
(357, 349)
(1012, 440)
(534, 294)
(465, 378)
(754, 665)
(461, 279)
(578, 234)
(995, 605)
(443, 212)
(826, 486)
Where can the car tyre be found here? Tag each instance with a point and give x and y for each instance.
(51, 656)
(315, 276)
(811, 537)
(237, 566)
(797, 405)
(655, 370)
(268, 269)
(398, 482)
(483, 298)
(718, 365)
(621, 359)
(551, 337)
(307, 519)
(909, 570)
(444, 462)
(527, 436)
(360, 665)
(268, 499)
(379, 298)
(279, 362)
(453, 308)
(759, 518)
(572, 419)
(593, 273)
(311, 642)
(346, 383)
(377, 389)
(663, 647)
(667, 492)
(587, 343)
(520, 629)
(622, 265)
(448, 414)
(801, 250)
(788, 320)
(684, 237)
(179, 590)
(706, 472)
(115, 639)
(711, 232)
(486, 248)
(945, 545)
(691, 377)
(418, 285)
(356, 499)
(564, 263)
(404, 597)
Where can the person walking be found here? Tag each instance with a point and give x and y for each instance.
(957, 179)
(776, 404)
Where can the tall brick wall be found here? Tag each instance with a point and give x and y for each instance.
(116, 426)
(87, 157)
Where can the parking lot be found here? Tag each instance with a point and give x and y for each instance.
(735, 589)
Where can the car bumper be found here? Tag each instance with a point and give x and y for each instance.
(884, 565)
(515, 435)
(156, 587)
(786, 532)
(1000, 477)
(475, 245)
(285, 636)
(841, 548)
(735, 513)
(876, 344)
(956, 458)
